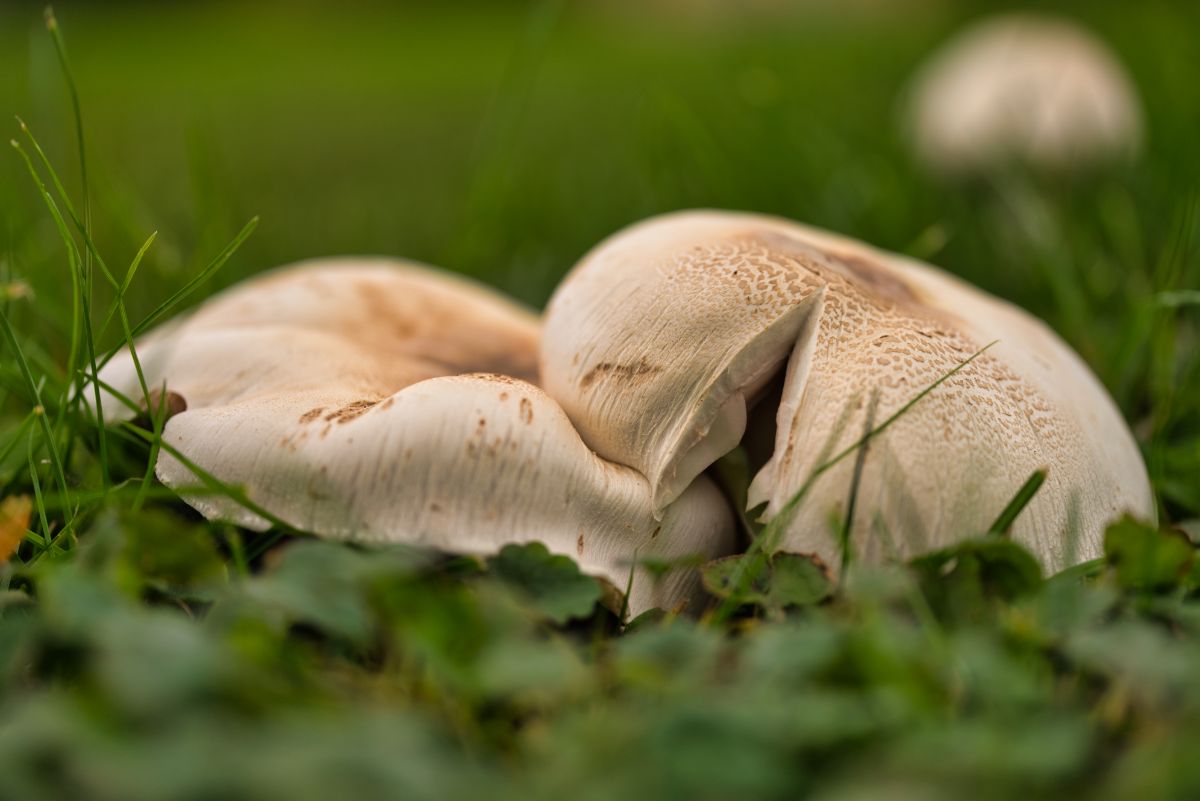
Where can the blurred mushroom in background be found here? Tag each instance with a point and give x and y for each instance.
(1027, 88)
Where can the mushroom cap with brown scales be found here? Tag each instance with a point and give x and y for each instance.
(660, 342)
(362, 399)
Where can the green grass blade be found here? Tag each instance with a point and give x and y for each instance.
(76, 292)
(118, 306)
(120, 491)
(125, 284)
(794, 502)
(35, 392)
(60, 47)
(1018, 503)
(84, 295)
(183, 293)
(38, 502)
(158, 418)
(82, 226)
(852, 502)
(17, 436)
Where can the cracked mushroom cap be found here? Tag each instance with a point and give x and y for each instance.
(349, 399)
(660, 341)
(1027, 86)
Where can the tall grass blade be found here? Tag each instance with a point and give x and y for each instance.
(16, 438)
(859, 461)
(76, 293)
(81, 226)
(118, 306)
(38, 503)
(85, 308)
(1018, 503)
(187, 289)
(119, 301)
(60, 46)
(35, 394)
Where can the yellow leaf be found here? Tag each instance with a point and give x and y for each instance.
(14, 522)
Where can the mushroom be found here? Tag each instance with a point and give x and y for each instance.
(1031, 87)
(662, 341)
(362, 399)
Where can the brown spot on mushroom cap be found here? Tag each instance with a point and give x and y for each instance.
(312, 414)
(497, 378)
(417, 322)
(872, 278)
(877, 278)
(436, 333)
(631, 373)
(350, 411)
(526, 411)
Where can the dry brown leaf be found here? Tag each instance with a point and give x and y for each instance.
(15, 511)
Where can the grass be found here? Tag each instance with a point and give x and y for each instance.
(146, 654)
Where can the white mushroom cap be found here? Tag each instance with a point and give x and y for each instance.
(1023, 86)
(344, 398)
(653, 353)
(656, 339)
(428, 319)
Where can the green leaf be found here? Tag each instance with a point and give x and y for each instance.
(725, 578)
(798, 580)
(784, 580)
(964, 582)
(326, 585)
(535, 672)
(646, 620)
(1145, 559)
(552, 584)
(171, 554)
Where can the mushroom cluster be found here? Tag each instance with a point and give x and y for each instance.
(385, 401)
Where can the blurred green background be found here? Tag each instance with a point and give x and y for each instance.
(502, 140)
